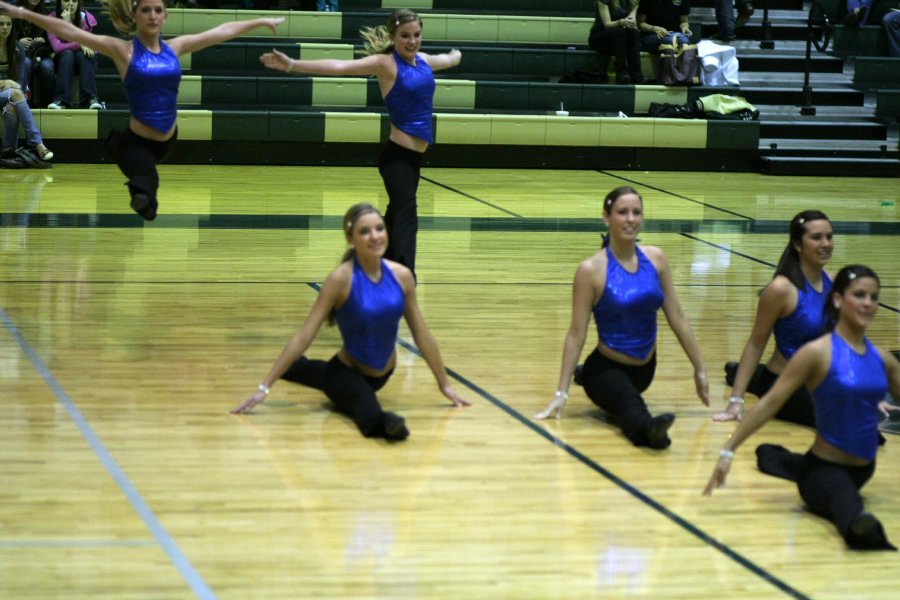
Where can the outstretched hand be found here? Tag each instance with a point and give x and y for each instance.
(719, 474)
(555, 407)
(455, 398)
(275, 60)
(702, 384)
(249, 403)
(886, 408)
(272, 24)
(733, 412)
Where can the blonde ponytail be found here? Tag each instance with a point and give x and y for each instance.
(121, 13)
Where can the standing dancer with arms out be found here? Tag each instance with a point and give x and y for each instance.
(848, 377)
(624, 285)
(366, 295)
(406, 79)
(151, 73)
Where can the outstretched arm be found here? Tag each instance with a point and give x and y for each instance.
(583, 292)
(807, 367)
(679, 323)
(423, 338)
(325, 301)
(772, 304)
(373, 64)
(185, 44)
(447, 60)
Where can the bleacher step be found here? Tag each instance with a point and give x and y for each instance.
(835, 167)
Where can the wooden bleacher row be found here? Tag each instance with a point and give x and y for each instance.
(484, 28)
(564, 31)
(504, 62)
(371, 127)
(559, 7)
(523, 6)
(215, 91)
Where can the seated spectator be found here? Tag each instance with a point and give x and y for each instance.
(72, 58)
(12, 56)
(662, 22)
(327, 6)
(38, 65)
(892, 32)
(15, 111)
(615, 33)
(726, 21)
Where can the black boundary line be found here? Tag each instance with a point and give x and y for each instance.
(470, 196)
(624, 485)
(768, 264)
(658, 189)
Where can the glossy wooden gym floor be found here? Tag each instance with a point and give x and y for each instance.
(123, 346)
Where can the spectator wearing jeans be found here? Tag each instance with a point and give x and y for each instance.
(726, 21)
(892, 32)
(72, 58)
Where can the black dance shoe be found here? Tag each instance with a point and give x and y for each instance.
(658, 431)
(395, 427)
(731, 368)
(866, 533)
(578, 376)
(142, 205)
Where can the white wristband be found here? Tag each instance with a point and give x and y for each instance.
(561, 395)
(726, 454)
(735, 400)
(264, 389)
(290, 66)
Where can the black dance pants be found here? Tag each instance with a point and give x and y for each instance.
(399, 168)
(137, 158)
(351, 392)
(617, 389)
(831, 490)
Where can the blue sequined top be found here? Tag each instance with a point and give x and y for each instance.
(626, 313)
(410, 102)
(151, 85)
(846, 402)
(806, 323)
(370, 317)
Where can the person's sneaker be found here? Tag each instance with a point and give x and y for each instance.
(658, 431)
(96, 105)
(45, 154)
(720, 37)
(56, 106)
(745, 11)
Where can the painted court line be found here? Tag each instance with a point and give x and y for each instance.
(179, 560)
